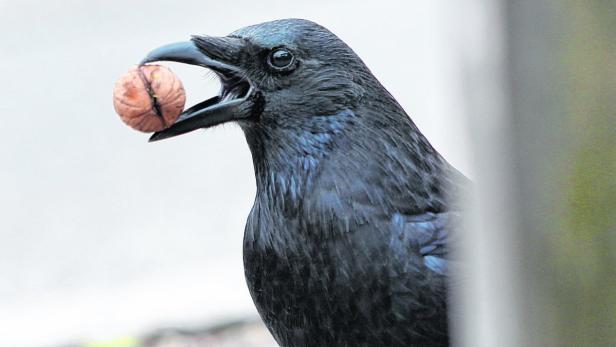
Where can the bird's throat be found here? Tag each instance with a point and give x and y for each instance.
(287, 156)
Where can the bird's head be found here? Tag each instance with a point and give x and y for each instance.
(282, 72)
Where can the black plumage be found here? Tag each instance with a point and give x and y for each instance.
(346, 244)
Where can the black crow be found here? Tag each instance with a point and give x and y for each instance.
(346, 244)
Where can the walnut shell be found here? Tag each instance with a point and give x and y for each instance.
(149, 98)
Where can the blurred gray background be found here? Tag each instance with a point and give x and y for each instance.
(103, 234)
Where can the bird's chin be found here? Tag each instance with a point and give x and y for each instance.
(238, 98)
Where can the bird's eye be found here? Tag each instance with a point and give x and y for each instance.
(280, 58)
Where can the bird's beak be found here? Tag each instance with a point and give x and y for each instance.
(237, 99)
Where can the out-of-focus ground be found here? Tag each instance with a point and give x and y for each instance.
(243, 333)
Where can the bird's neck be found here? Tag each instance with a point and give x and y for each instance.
(388, 154)
(287, 154)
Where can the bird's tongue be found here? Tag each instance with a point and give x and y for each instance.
(236, 92)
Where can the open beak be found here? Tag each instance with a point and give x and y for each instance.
(237, 99)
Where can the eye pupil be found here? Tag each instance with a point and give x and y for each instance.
(280, 58)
